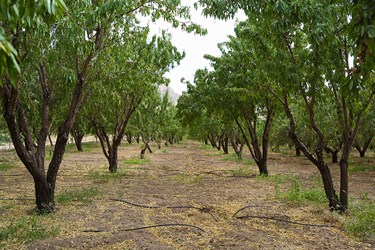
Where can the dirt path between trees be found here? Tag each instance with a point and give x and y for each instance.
(189, 190)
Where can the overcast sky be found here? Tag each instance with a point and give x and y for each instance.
(195, 46)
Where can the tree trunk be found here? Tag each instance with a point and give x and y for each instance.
(334, 156)
(129, 138)
(298, 152)
(329, 189)
(44, 195)
(262, 165)
(137, 138)
(78, 136)
(237, 147)
(362, 151)
(225, 144)
(344, 175)
(50, 140)
(112, 160)
(143, 153)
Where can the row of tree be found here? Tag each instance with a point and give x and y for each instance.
(67, 64)
(305, 68)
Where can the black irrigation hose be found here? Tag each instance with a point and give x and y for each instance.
(282, 220)
(234, 215)
(146, 227)
(205, 210)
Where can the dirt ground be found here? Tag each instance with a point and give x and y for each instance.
(186, 184)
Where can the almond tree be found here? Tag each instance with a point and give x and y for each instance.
(305, 49)
(56, 70)
(126, 78)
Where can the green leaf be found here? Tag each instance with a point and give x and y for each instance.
(371, 31)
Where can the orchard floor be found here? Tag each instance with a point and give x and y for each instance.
(187, 174)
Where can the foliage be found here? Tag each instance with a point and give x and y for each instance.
(26, 229)
(357, 168)
(106, 177)
(234, 157)
(361, 220)
(136, 161)
(297, 194)
(84, 195)
(22, 14)
(4, 165)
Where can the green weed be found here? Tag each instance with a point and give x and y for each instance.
(361, 221)
(136, 161)
(85, 195)
(27, 229)
(187, 179)
(86, 146)
(278, 178)
(6, 165)
(234, 157)
(360, 168)
(296, 194)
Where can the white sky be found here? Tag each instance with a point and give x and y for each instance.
(195, 46)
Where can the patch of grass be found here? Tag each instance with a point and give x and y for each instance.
(278, 178)
(297, 194)
(86, 146)
(240, 172)
(7, 207)
(27, 229)
(187, 179)
(360, 168)
(234, 157)
(104, 177)
(84, 195)
(361, 221)
(136, 161)
(4, 165)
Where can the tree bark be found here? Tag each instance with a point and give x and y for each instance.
(224, 143)
(77, 136)
(129, 138)
(362, 151)
(44, 195)
(113, 159)
(143, 153)
(298, 152)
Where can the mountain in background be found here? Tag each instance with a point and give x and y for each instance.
(173, 95)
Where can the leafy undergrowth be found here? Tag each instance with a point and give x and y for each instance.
(361, 220)
(234, 157)
(104, 177)
(298, 195)
(4, 165)
(84, 195)
(136, 161)
(355, 168)
(86, 146)
(26, 229)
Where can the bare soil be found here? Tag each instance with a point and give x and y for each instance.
(189, 176)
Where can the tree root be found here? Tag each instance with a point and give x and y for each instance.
(203, 210)
(145, 227)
